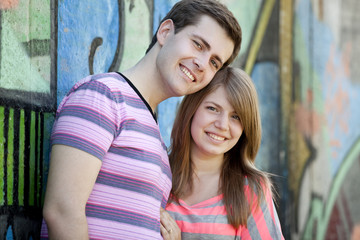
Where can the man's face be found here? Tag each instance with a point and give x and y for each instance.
(188, 60)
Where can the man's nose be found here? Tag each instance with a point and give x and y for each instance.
(201, 60)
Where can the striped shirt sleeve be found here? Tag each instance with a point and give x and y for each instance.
(263, 222)
(87, 112)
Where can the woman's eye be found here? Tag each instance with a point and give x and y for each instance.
(236, 117)
(211, 108)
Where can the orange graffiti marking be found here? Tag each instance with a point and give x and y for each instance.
(338, 108)
(335, 143)
(8, 4)
(346, 59)
(321, 10)
(307, 121)
(330, 68)
(309, 96)
(337, 98)
(355, 235)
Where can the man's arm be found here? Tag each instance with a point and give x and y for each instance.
(72, 176)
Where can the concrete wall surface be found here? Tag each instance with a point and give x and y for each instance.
(301, 54)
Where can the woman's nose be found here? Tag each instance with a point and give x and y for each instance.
(222, 122)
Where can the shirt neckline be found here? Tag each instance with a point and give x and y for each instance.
(140, 95)
(204, 203)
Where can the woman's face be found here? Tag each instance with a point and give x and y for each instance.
(215, 127)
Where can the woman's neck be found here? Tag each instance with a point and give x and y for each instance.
(204, 164)
(205, 180)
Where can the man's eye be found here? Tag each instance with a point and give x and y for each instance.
(214, 63)
(198, 45)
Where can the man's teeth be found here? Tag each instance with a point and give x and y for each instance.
(184, 70)
(216, 137)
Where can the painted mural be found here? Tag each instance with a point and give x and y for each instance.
(326, 117)
(27, 92)
(46, 46)
(301, 54)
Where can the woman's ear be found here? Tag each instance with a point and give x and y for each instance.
(166, 28)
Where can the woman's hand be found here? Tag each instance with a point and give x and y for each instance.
(168, 227)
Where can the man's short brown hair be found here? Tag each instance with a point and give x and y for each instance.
(188, 12)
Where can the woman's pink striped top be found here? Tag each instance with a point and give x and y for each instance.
(208, 220)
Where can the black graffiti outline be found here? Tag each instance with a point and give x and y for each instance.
(98, 41)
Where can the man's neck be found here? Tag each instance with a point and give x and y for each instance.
(146, 78)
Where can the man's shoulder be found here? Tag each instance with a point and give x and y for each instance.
(108, 78)
(114, 82)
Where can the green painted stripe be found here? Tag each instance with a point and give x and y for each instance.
(320, 211)
(39, 159)
(315, 216)
(338, 181)
(10, 159)
(32, 160)
(48, 123)
(2, 141)
(21, 158)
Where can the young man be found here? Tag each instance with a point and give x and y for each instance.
(109, 171)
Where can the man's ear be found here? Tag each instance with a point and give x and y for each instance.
(166, 28)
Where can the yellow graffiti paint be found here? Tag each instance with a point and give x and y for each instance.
(259, 35)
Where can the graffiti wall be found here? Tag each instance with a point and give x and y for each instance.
(325, 157)
(301, 54)
(45, 47)
(27, 90)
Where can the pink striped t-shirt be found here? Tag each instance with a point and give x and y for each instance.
(208, 220)
(107, 117)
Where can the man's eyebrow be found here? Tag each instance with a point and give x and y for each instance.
(208, 47)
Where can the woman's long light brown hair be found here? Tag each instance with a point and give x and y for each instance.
(238, 166)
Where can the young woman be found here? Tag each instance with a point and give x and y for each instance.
(217, 191)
